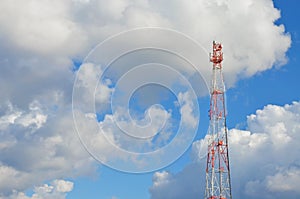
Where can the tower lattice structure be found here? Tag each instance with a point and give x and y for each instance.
(218, 185)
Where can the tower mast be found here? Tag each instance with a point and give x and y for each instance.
(218, 185)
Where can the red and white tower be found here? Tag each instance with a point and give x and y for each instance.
(218, 185)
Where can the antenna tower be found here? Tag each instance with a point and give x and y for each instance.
(218, 185)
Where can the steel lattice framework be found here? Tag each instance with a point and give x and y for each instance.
(218, 185)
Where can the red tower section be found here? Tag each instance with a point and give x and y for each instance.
(218, 185)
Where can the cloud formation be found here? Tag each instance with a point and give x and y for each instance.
(58, 189)
(38, 145)
(262, 161)
(252, 41)
(41, 39)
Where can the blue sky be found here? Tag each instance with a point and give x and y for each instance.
(41, 155)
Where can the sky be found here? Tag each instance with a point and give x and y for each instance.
(109, 99)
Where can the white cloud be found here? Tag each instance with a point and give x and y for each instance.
(32, 152)
(43, 27)
(90, 88)
(35, 117)
(58, 189)
(262, 160)
(252, 42)
(286, 180)
(160, 178)
(63, 186)
(187, 110)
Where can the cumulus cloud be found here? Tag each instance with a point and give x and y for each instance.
(90, 89)
(252, 41)
(38, 146)
(134, 145)
(42, 27)
(34, 118)
(58, 189)
(262, 161)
